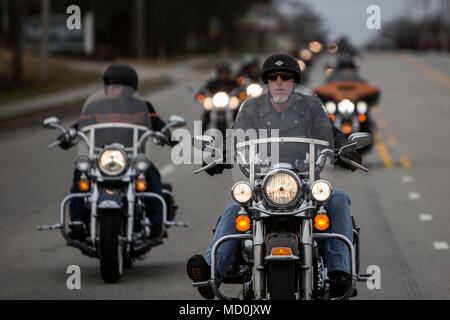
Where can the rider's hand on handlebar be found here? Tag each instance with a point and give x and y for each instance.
(217, 169)
(65, 141)
(351, 154)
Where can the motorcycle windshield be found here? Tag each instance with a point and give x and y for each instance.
(116, 114)
(286, 127)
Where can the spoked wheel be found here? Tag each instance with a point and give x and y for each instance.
(110, 247)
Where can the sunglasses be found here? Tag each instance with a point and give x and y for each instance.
(283, 75)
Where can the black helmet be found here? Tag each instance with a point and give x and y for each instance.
(223, 67)
(122, 73)
(346, 61)
(281, 62)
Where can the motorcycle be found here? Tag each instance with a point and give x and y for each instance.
(220, 108)
(282, 185)
(348, 103)
(113, 150)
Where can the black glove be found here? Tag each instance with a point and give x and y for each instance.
(65, 142)
(351, 154)
(217, 169)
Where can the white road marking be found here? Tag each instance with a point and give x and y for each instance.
(407, 179)
(414, 195)
(166, 170)
(440, 245)
(425, 217)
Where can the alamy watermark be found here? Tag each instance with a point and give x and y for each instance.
(373, 22)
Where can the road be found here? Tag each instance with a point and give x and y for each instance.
(401, 204)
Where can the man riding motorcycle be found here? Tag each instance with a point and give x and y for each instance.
(113, 77)
(223, 82)
(251, 69)
(346, 70)
(283, 108)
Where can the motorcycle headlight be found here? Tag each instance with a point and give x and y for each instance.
(112, 161)
(254, 90)
(141, 162)
(208, 103)
(331, 107)
(281, 188)
(83, 163)
(361, 106)
(220, 99)
(242, 192)
(234, 102)
(346, 106)
(321, 190)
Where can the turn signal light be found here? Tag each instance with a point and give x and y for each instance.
(141, 185)
(362, 118)
(346, 128)
(242, 95)
(321, 222)
(83, 185)
(243, 223)
(332, 117)
(240, 81)
(200, 98)
(281, 252)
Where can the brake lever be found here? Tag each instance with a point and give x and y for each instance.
(54, 144)
(353, 163)
(212, 164)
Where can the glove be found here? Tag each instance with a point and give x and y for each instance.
(351, 154)
(217, 169)
(65, 142)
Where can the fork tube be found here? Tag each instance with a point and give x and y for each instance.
(94, 198)
(258, 256)
(130, 216)
(307, 242)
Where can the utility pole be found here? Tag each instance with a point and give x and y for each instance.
(45, 17)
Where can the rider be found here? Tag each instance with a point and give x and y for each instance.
(251, 69)
(281, 69)
(118, 74)
(346, 69)
(223, 82)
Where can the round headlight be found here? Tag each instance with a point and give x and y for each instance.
(234, 102)
(112, 161)
(141, 162)
(242, 192)
(281, 188)
(254, 90)
(346, 106)
(221, 99)
(331, 107)
(83, 163)
(208, 103)
(321, 190)
(361, 106)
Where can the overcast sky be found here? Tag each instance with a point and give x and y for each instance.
(349, 17)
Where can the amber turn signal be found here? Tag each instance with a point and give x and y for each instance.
(362, 118)
(321, 222)
(83, 185)
(243, 223)
(141, 185)
(281, 252)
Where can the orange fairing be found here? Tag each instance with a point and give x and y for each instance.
(351, 90)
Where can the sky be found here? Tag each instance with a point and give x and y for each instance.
(349, 17)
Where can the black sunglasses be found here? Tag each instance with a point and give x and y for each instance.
(283, 75)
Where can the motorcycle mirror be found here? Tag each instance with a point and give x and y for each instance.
(360, 139)
(176, 121)
(51, 122)
(201, 142)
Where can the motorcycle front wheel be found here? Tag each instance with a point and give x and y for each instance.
(281, 280)
(110, 247)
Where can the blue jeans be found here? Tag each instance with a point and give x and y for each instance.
(337, 253)
(78, 212)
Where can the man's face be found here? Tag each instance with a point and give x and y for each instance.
(281, 85)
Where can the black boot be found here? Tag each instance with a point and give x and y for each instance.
(199, 271)
(156, 229)
(340, 283)
(77, 231)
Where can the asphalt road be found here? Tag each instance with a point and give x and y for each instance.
(401, 204)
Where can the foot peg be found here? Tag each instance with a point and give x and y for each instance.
(50, 227)
(364, 277)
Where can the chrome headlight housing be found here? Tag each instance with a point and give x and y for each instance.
(321, 190)
(242, 192)
(346, 106)
(331, 107)
(281, 188)
(221, 99)
(83, 162)
(141, 162)
(112, 161)
(361, 106)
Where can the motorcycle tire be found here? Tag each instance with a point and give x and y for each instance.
(281, 283)
(110, 247)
